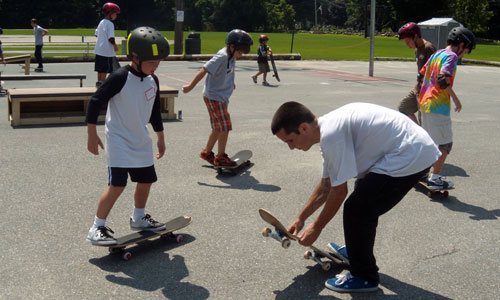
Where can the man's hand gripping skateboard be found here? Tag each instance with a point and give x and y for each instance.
(283, 235)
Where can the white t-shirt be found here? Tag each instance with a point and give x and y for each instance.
(219, 84)
(105, 30)
(359, 138)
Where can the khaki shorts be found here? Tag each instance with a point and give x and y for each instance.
(409, 104)
(439, 128)
(264, 67)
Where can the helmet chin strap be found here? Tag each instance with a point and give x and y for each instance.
(139, 68)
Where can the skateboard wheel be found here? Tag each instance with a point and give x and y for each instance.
(308, 254)
(127, 256)
(266, 232)
(114, 250)
(286, 243)
(326, 266)
(179, 238)
(445, 194)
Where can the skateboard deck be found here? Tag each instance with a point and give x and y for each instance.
(241, 158)
(282, 235)
(140, 236)
(432, 193)
(275, 75)
(31, 68)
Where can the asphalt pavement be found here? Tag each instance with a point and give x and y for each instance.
(426, 249)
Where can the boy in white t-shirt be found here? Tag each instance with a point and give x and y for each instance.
(387, 153)
(105, 46)
(133, 100)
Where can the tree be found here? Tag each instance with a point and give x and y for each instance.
(279, 16)
(473, 14)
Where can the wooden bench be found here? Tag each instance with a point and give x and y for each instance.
(66, 105)
(26, 58)
(44, 77)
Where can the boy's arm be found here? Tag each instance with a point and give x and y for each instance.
(93, 141)
(111, 86)
(199, 76)
(444, 83)
(157, 122)
(458, 104)
(113, 42)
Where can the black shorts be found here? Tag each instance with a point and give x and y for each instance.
(118, 176)
(103, 64)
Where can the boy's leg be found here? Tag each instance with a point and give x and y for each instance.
(222, 142)
(438, 165)
(373, 196)
(107, 200)
(38, 56)
(140, 220)
(141, 194)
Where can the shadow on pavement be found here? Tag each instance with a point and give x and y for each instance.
(151, 269)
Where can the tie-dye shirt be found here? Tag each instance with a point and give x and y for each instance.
(432, 98)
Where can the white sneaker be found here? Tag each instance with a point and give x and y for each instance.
(146, 223)
(439, 184)
(101, 236)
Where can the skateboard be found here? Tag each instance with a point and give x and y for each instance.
(432, 193)
(140, 236)
(282, 235)
(275, 75)
(241, 158)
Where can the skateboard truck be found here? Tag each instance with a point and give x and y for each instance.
(317, 257)
(277, 235)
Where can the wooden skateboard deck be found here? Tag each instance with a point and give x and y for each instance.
(282, 235)
(275, 75)
(140, 236)
(241, 158)
(431, 193)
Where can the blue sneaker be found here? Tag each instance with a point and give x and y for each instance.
(339, 251)
(346, 283)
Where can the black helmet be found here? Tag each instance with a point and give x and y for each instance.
(147, 43)
(462, 35)
(238, 37)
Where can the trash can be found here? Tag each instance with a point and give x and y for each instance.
(193, 43)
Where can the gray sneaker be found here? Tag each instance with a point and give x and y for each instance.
(254, 79)
(146, 223)
(101, 236)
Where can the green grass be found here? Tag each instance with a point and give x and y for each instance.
(310, 46)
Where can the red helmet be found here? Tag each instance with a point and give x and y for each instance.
(109, 8)
(408, 30)
(262, 38)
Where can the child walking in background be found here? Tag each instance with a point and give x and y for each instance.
(132, 96)
(438, 76)
(105, 46)
(410, 34)
(262, 54)
(219, 86)
(39, 33)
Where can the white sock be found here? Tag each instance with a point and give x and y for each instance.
(99, 222)
(435, 177)
(138, 213)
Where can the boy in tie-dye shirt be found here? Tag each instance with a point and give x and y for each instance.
(434, 100)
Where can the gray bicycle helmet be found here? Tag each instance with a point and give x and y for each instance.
(462, 35)
(147, 43)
